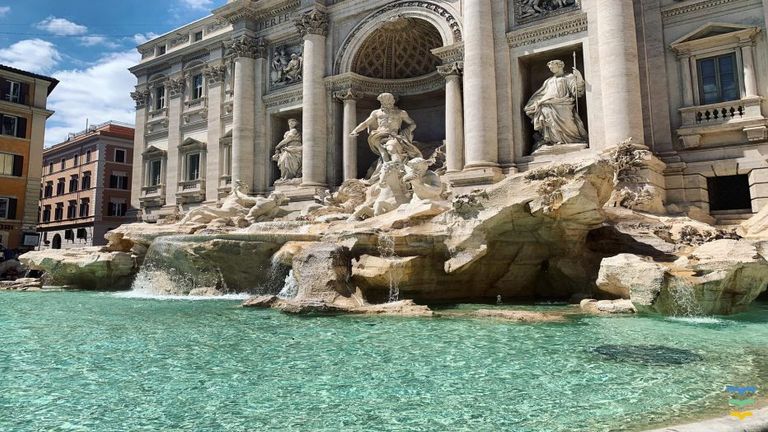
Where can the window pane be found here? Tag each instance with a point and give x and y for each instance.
(193, 167)
(9, 125)
(154, 173)
(3, 208)
(6, 164)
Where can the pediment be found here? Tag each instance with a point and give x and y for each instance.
(712, 31)
(153, 151)
(191, 144)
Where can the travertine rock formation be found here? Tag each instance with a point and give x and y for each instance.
(86, 268)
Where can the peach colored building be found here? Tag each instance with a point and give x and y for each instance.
(86, 186)
(23, 113)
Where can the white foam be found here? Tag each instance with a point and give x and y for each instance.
(697, 320)
(143, 295)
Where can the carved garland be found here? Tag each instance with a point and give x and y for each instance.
(453, 23)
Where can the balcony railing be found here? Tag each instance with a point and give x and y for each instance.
(723, 112)
(152, 195)
(191, 190)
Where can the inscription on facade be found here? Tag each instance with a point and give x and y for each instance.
(273, 21)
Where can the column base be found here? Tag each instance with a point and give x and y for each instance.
(300, 192)
(473, 176)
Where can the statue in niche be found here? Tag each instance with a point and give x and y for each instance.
(288, 153)
(553, 108)
(386, 135)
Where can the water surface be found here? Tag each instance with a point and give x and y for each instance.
(99, 362)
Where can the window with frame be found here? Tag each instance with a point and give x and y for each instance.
(14, 91)
(72, 209)
(161, 50)
(48, 189)
(8, 208)
(193, 167)
(47, 213)
(60, 187)
(50, 168)
(73, 183)
(87, 156)
(718, 79)
(63, 163)
(198, 36)
(118, 181)
(85, 207)
(197, 86)
(13, 126)
(58, 213)
(226, 169)
(11, 165)
(119, 156)
(160, 98)
(155, 172)
(117, 209)
(86, 182)
(77, 159)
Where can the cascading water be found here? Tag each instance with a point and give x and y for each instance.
(387, 251)
(290, 287)
(684, 296)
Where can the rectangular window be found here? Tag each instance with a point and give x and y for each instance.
(161, 50)
(47, 214)
(73, 183)
(77, 159)
(13, 126)
(13, 91)
(86, 183)
(718, 79)
(197, 86)
(198, 36)
(85, 207)
(193, 166)
(11, 165)
(227, 169)
(160, 98)
(72, 210)
(60, 187)
(118, 181)
(155, 167)
(63, 163)
(87, 156)
(7, 208)
(117, 209)
(58, 214)
(48, 189)
(50, 168)
(119, 156)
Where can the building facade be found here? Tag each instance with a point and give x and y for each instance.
(23, 113)
(86, 186)
(687, 79)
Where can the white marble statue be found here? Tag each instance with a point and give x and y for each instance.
(425, 184)
(268, 209)
(288, 153)
(386, 135)
(553, 108)
(233, 208)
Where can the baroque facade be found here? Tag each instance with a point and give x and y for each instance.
(686, 79)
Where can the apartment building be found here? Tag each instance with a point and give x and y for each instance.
(86, 186)
(23, 113)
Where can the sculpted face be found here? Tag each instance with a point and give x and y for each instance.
(556, 66)
(387, 100)
(292, 123)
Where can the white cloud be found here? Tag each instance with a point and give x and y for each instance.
(197, 4)
(140, 38)
(4, 10)
(98, 93)
(61, 27)
(93, 40)
(33, 55)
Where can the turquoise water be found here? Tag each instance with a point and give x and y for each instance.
(96, 362)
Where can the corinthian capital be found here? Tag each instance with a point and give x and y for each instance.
(247, 46)
(312, 22)
(347, 94)
(455, 68)
(215, 74)
(140, 97)
(175, 87)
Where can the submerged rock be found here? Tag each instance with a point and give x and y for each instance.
(520, 316)
(22, 284)
(607, 306)
(263, 302)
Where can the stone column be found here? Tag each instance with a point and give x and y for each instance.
(243, 111)
(480, 109)
(454, 116)
(619, 71)
(313, 27)
(214, 77)
(262, 156)
(750, 74)
(141, 97)
(349, 143)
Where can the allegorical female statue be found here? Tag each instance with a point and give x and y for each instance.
(553, 108)
(288, 153)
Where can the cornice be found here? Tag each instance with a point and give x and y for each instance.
(569, 25)
(701, 5)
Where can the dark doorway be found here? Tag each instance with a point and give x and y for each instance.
(56, 244)
(729, 193)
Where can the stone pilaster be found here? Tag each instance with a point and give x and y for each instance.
(214, 79)
(141, 97)
(174, 88)
(349, 143)
(480, 104)
(262, 155)
(454, 116)
(619, 72)
(246, 50)
(313, 27)
(750, 73)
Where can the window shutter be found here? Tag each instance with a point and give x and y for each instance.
(18, 165)
(12, 202)
(24, 93)
(5, 89)
(21, 128)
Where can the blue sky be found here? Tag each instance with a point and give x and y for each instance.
(88, 45)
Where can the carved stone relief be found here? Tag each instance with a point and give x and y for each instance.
(532, 10)
(286, 63)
